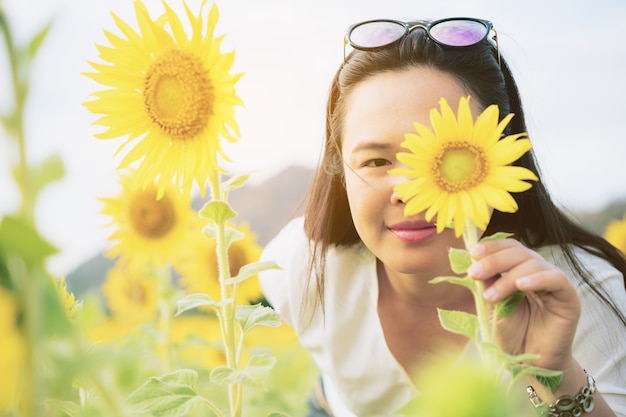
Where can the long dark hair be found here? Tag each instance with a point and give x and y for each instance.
(488, 78)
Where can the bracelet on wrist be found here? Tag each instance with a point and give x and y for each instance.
(566, 406)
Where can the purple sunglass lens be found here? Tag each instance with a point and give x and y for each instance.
(458, 32)
(376, 34)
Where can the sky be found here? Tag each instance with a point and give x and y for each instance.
(568, 58)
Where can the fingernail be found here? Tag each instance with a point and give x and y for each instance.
(477, 250)
(475, 269)
(490, 293)
(522, 282)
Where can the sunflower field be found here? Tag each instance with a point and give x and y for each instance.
(180, 326)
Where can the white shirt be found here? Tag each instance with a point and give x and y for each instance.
(361, 376)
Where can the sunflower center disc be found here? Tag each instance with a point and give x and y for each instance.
(460, 166)
(152, 218)
(178, 95)
(136, 293)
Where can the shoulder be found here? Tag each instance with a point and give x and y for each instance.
(293, 287)
(289, 249)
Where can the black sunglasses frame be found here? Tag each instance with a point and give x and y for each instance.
(410, 26)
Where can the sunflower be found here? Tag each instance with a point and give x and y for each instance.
(170, 94)
(131, 295)
(460, 168)
(616, 234)
(198, 341)
(12, 352)
(198, 268)
(149, 232)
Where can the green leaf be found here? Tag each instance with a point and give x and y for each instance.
(235, 182)
(249, 316)
(466, 282)
(508, 305)
(460, 260)
(217, 211)
(171, 395)
(35, 43)
(230, 234)
(18, 237)
(253, 375)
(68, 408)
(546, 377)
(210, 231)
(196, 300)
(38, 176)
(277, 414)
(459, 322)
(251, 270)
(496, 236)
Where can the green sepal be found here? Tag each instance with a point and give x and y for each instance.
(170, 395)
(249, 316)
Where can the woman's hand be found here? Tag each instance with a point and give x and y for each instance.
(545, 321)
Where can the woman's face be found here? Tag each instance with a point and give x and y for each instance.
(380, 111)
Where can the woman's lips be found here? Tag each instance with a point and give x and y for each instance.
(413, 232)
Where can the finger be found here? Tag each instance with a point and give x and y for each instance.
(499, 258)
(536, 277)
(549, 281)
(507, 284)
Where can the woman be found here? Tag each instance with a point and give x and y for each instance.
(355, 271)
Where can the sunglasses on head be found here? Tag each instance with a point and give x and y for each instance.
(452, 32)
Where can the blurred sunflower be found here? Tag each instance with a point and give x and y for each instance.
(198, 340)
(67, 298)
(616, 234)
(131, 295)
(463, 388)
(170, 93)
(460, 168)
(12, 348)
(198, 267)
(150, 232)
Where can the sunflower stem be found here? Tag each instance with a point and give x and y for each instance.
(227, 316)
(470, 237)
(164, 323)
(28, 201)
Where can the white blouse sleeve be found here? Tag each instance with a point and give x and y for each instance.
(284, 288)
(600, 342)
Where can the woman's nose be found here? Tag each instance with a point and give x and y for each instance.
(395, 196)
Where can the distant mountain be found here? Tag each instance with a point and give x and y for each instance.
(597, 221)
(266, 207)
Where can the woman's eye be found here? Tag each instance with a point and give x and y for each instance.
(378, 162)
